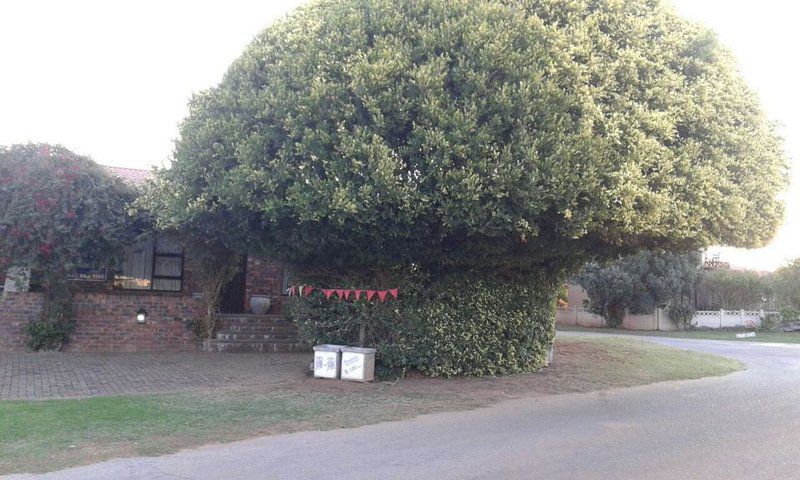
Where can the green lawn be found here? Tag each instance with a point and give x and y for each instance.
(726, 334)
(40, 436)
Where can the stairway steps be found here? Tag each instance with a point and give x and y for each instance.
(243, 333)
(255, 320)
(254, 346)
(266, 329)
(254, 336)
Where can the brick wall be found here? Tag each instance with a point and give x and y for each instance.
(16, 310)
(106, 318)
(264, 278)
(106, 321)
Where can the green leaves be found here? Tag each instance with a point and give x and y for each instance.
(641, 283)
(447, 325)
(60, 211)
(420, 131)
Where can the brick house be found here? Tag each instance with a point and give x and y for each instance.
(157, 278)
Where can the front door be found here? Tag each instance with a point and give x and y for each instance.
(233, 294)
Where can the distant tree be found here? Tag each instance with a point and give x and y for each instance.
(785, 284)
(640, 283)
(60, 211)
(507, 139)
(732, 289)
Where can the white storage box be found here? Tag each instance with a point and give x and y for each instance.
(327, 361)
(358, 364)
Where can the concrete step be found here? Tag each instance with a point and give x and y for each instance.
(256, 346)
(236, 337)
(259, 328)
(249, 319)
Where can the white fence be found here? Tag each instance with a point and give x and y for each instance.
(659, 320)
(728, 318)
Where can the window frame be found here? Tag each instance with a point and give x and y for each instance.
(154, 277)
(75, 277)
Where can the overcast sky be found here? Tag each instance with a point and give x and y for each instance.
(111, 79)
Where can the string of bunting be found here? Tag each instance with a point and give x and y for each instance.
(344, 293)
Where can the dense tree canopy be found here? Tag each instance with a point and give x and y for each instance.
(463, 148)
(640, 283)
(733, 290)
(61, 212)
(478, 134)
(785, 285)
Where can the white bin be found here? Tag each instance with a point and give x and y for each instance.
(327, 361)
(358, 364)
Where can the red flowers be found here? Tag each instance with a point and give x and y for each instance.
(43, 204)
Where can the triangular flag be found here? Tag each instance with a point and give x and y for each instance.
(347, 294)
(358, 294)
(382, 295)
(307, 290)
(394, 292)
(340, 294)
(328, 292)
(370, 294)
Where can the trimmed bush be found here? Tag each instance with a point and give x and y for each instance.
(495, 326)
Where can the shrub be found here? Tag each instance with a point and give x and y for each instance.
(681, 312)
(60, 211)
(496, 326)
(770, 322)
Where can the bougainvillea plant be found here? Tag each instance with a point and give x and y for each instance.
(61, 211)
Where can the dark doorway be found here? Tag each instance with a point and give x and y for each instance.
(233, 294)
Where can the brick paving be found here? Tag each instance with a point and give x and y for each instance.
(36, 376)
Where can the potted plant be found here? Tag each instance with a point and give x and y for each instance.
(259, 304)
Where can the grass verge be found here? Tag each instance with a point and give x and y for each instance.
(38, 436)
(725, 334)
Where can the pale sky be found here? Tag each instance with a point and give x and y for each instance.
(111, 80)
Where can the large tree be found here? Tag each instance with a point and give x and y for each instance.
(641, 283)
(492, 138)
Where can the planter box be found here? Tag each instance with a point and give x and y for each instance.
(327, 361)
(358, 364)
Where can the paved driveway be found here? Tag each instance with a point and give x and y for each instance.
(37, 376)
(745, 425)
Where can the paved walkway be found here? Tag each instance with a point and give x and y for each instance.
(58, 375)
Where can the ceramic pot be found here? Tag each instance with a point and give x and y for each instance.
(259, 304)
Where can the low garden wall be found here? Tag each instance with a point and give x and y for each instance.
(659, 320)
(106, 322)
(577, 316)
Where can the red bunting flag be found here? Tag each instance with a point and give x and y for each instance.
(394, 292)
(358, 294)
(382, 295)
(347, 294)
(307, 290)
(340, 294)
(370, 294)
(328, 292)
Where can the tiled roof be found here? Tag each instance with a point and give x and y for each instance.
(133, 176)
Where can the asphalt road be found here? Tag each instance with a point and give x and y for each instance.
(745, 425)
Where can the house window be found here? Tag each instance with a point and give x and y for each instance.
(152, 264)
(90, 274)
